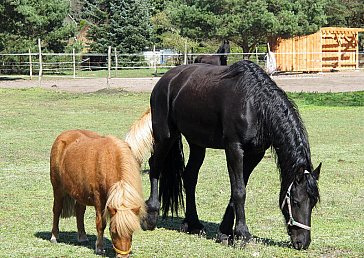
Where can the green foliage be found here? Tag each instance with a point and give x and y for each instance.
(122, 24)
(23, 22)
(345, 13)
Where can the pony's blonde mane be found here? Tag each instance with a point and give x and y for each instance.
(140, 137)
(126, 195)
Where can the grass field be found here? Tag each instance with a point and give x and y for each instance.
(31, 119)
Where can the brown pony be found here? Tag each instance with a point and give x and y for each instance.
(87, 169)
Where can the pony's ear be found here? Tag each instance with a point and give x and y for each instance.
(316, 172)
(111, 211)
(136, 210)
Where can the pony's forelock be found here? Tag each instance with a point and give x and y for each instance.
(126, 195)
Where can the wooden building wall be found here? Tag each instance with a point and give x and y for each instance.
(329, 48)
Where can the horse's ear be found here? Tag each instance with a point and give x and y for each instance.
(316, 172)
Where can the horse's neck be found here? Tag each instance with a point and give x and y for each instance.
(291, 145)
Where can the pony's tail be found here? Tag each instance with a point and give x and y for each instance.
(140, 137)
(68, 207)
(170, 184)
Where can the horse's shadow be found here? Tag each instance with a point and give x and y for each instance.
(169, 223)
(211, 230)
(70, 238)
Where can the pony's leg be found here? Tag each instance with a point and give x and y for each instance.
(156, 163)
(80, 214)
(57, 210)
(250, 161)
(100, 227)
(191, 223)
(234, 156)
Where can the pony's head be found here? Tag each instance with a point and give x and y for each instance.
(297, 203)
(125, 207)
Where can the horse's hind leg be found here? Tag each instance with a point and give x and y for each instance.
(191, 223)
(80, 214)
(57, 210)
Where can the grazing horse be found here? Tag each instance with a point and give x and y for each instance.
(87, 169)
(240, 109)
(220, 59)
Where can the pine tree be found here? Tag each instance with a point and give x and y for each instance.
(124, 24)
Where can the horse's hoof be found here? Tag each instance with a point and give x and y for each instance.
(224, 239)
(184, 227)
(198, 229)
(150, 221)
(53, 240)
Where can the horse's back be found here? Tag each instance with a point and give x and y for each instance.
(208, 103)
(89, 161)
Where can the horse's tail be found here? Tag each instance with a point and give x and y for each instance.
(170, 185)
(140, 137)
(68, 207)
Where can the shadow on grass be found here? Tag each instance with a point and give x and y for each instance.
(211, 230)
(70, 238)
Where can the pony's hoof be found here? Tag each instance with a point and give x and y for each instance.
(53, 240)
(99, 251)
(82, 239)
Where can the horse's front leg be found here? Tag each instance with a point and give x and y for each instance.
(234, 156)
(191, 224)
(100, 227)
(153, 204)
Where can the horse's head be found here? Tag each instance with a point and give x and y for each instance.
(122, 228)
(297, 204)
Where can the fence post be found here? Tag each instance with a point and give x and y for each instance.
(154, 61)
(40, 64)
(116, 61)
(30, 65)
(108, 65)
(185, 55)
(74, 63)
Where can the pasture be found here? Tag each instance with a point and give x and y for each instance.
(30, 119)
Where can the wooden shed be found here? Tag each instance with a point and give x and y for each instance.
(329, 48)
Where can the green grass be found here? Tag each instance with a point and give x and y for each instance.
(30, 120)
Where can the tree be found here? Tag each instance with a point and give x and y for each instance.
(23, 22)
(348, 13)
(247, 23)
(124, 24)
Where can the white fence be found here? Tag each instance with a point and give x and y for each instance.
(111, 64)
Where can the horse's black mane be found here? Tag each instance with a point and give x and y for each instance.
(282, 126)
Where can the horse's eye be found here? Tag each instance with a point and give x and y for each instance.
(296, 203)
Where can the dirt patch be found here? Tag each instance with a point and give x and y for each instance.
(320, 82)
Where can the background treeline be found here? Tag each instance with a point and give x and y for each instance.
(132, 26)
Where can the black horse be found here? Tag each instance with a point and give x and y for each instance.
(241, 110)
(220, 59)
